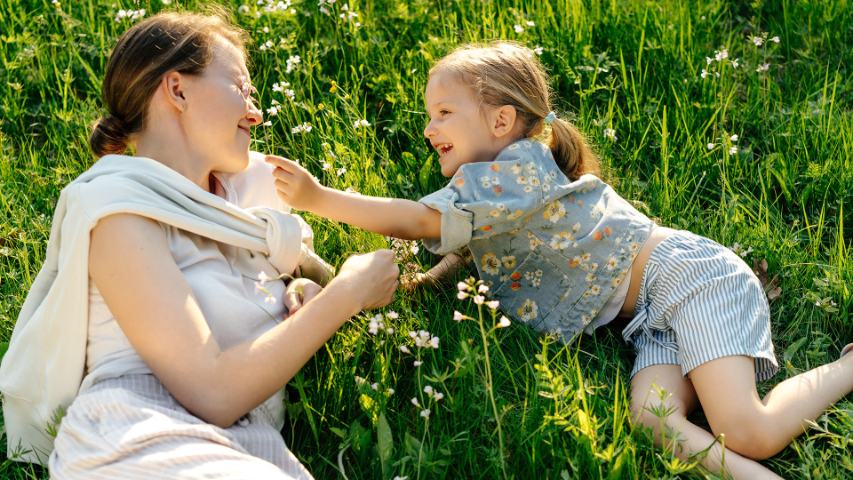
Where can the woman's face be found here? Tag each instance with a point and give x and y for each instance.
(220, 111)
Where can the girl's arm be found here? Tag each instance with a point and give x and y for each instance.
(132, 266)
(388, 216)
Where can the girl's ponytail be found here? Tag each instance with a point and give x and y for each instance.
(570, 150)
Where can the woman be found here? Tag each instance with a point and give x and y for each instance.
(153, 265)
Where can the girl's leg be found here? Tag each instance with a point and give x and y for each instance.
(759, 428)
(666, 414)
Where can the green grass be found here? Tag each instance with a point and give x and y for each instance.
(633, 66)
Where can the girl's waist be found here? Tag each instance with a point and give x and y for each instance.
(658, 235)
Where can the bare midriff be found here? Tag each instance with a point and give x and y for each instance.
(658, 235)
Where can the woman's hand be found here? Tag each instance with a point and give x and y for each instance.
(299, 292)
(295, 185)
(371, 278)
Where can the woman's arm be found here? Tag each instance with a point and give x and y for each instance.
(388, 216)
(132, 266)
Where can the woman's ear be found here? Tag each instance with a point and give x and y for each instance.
(173, 87)
(503, 120)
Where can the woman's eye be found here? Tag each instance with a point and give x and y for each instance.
(443, 112)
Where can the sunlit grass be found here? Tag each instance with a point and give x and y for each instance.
(702, 119)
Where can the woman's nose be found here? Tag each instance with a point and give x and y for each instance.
(254, 115)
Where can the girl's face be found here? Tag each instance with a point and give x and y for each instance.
(221, 111)
(460, 128)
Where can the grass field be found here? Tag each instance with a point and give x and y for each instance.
(730, 119)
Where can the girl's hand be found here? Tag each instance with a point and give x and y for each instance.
(299, 292)
(294, 185)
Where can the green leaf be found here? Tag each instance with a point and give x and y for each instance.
(385, 444)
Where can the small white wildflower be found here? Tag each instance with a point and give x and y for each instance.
(710, 146)
(438, 396)
(458, 316)
(504, 322)
(704, 73)
(392, 315)
(304, 128)
(290, 94)
(709, 60)
(461, 295)
(758, 41)
(518, 28)
(360, 123)
(610, 134)
(326, 166)
(538, 50)
(243, 9)
(735, 63)
(734, 138)
(389, 391)
(462, 286)
(428, 390)
(396, 477)
(479, 299)
(415, 401)
(404, 349)
(494, 304)
(268, 123)
(721, 55)
(763, 67)
(425, 413)
(292, 61)
(775, 39)
(374, 386)
(272, 111)
(433, 342)
(483, 288)
(733, 150)
(417, 363)
(266, 29)
(341, 171)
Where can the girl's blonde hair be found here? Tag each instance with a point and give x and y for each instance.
(506, 73)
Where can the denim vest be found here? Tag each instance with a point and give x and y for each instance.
(553, 251)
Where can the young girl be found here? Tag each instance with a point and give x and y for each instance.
(564, 253)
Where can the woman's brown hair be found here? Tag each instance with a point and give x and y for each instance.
(172, 41)
(506, 73)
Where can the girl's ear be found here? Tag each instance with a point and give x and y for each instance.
(173, 84)
(503, 120)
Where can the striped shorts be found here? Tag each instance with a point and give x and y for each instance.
(132, 428)
(699, 301)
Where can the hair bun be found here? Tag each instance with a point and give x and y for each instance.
(109, 136)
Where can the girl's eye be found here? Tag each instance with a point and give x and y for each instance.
(443, 112)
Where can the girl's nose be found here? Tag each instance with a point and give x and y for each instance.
(429, 130)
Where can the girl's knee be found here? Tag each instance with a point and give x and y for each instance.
(749, 437)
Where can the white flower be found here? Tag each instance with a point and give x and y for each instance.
(243, 9)
(763, 67)
(531, 23)
(735, 63)
(360, 123)
(341, 171)
(709, 60)
(389, 391)
(268, 123)
(415, 401)
(428, 390)
(733, 150)
(758, 41)
(610, 134)
(458, 316)
(272, 111)
(734, 137)
(392, 315)
(292, 61)
(438, 396)
(462, 286)
(374, 386)
(289, 93)
(721, 55)
(304, 128)
(483, 288)
(775, 39)
(404, 349)
(704, 73)
(518, 28)
(417, 363)
(504, 322)
(425, 413)
(479, 299)
(710, 146)
(538, 50)
(494, 304)
(433, 342)
(461, 295)
(327, 166)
